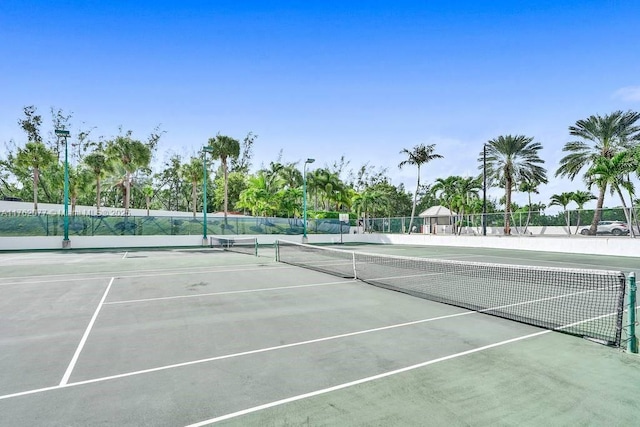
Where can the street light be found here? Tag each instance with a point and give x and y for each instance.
(304, 199)
(65, 134)
(205, 150)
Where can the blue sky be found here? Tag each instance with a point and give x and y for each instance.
(324, 79)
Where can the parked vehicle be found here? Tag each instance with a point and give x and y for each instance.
(616, 228)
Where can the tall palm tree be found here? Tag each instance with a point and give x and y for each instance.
(193, 173)
(581, 197)
(224, 148)
(133, 155)
(563, 199)
(510, 160)
(420, 154)
(599, 138)
(98, 164)
(34, 156)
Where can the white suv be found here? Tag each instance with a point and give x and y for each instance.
(617, 228)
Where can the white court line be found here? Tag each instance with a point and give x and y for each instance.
(125, 255)
(380, 376)
(67, 374)
(166, 272)
(362, 380)
(229, 356)
(245, 291)
(263, 350)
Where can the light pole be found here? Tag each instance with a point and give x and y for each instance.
(65, 134)
(484, 190)
(304, 199)
(205, 150)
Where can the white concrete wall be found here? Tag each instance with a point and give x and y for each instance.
(597, 245)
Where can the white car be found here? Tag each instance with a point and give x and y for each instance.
(616, 228)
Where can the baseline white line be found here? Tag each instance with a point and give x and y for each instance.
(245, 291)
(67, 374)
(362, 380)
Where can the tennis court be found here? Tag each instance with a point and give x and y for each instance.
(205, 336)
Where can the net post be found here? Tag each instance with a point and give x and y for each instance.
(632, 343)
(353, 260)
(277, 246)
(255, 243)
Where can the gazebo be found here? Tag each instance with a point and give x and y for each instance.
(436, 216)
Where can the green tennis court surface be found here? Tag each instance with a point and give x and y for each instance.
(195, 337)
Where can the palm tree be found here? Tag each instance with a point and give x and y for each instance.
(193, 173)
(563, 199)
(613, 173)
(418, 156)
(600, 138)
(98, 164)
(467, 190)
(512, 159)
(529, 187)
(132, 155)
(34, 156)
(224, 148)
(581, 197)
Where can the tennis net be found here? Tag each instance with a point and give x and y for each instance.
(587, 303)
(245, 245)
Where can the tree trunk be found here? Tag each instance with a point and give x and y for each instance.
(507, 208)
(127, 188)
(627, 214)
(415, 201)
(597, 214)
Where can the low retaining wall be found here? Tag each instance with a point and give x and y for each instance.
(595, 245)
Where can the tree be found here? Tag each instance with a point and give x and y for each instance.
(563, 199)
(133, 155)
(529, 187)
(193, 173)
(418, 156)
(224, 148)
(34, 156)
(599, 138)
(581, 197)
(99, 165)
(510, 160)
(613, 173)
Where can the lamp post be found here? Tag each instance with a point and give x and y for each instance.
(66, 243)
(484, 190)
(304, 199)
(205, 150)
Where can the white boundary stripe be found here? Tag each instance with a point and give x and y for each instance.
(211, 359)
(229, 356)
(160, 272)
(245, 291)
(363, 380)
(67, 374)
(379, 376)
